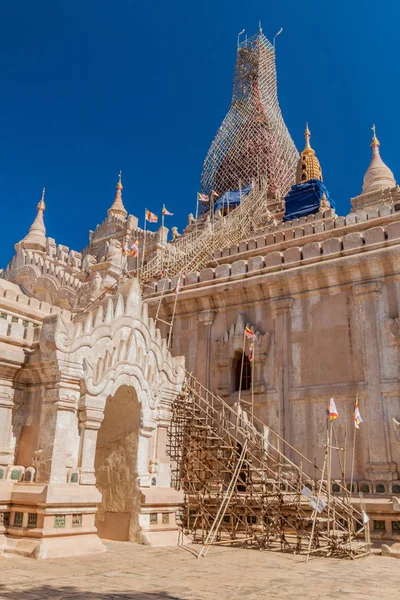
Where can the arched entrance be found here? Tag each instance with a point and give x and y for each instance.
(116, 467)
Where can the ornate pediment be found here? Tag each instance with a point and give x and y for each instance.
(234, 341)
(115, 343)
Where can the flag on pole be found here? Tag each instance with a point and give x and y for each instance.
(135, 248)
(125, 249)
(251, 352)
(214, 194)
(178, 286)
(331, 411)
(249, 334)
(164, 272)
(166, 212)
(356, 416)
(151, 217)
(204, 198)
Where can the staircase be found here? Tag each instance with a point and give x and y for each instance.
(193, 251)
(241, 488)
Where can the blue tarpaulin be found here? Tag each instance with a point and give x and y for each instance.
(304, 198)
(231, 198)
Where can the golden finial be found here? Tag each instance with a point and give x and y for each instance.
(119, 184)
(41, 205)
(307, 135)
(375, 141)
(308, 166)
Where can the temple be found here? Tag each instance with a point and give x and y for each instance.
(182, 388)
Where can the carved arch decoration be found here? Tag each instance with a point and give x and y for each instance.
(90, 355)
(113, 344)
(46, 287)
(230, 345)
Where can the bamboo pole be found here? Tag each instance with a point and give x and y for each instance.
(353, 456)
(241, 368)
(173, 312)
(315, 512)
(252, 380)
(144, 236)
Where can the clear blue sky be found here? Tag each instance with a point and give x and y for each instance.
(91, 87)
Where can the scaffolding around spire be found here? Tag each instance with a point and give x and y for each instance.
(253, 143)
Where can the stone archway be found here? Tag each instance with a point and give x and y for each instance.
(116, 467)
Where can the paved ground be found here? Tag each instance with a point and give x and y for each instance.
(132, 572)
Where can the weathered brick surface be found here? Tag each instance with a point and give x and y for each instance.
(292, 255)
(207, 274)
(312, 250)
(274, 259)
(222, 271)
(352, 240)
(331, 246)
(239, 267)
(376, 235)
(255, 263)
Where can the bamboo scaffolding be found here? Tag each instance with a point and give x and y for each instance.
(239, 490)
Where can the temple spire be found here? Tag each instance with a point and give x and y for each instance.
(308, 166)
(117, 207)
(378, 175)
(36, 236)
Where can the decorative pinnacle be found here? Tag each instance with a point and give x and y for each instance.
(307, 135)
(375, 142)
(41, 205)
(118, 206)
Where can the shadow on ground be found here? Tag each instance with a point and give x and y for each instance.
(48, 592)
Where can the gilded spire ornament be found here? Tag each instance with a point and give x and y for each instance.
(308, 166)
(118, 207)
(378, 175)
(41, 205)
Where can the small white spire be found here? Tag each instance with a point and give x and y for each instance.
(118, 207)
(36, 236)
(378, 175)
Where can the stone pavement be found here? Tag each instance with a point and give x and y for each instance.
(133, 572)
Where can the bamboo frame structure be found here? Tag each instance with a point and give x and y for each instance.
(253, 142)
(193, 251)
(253, 497)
